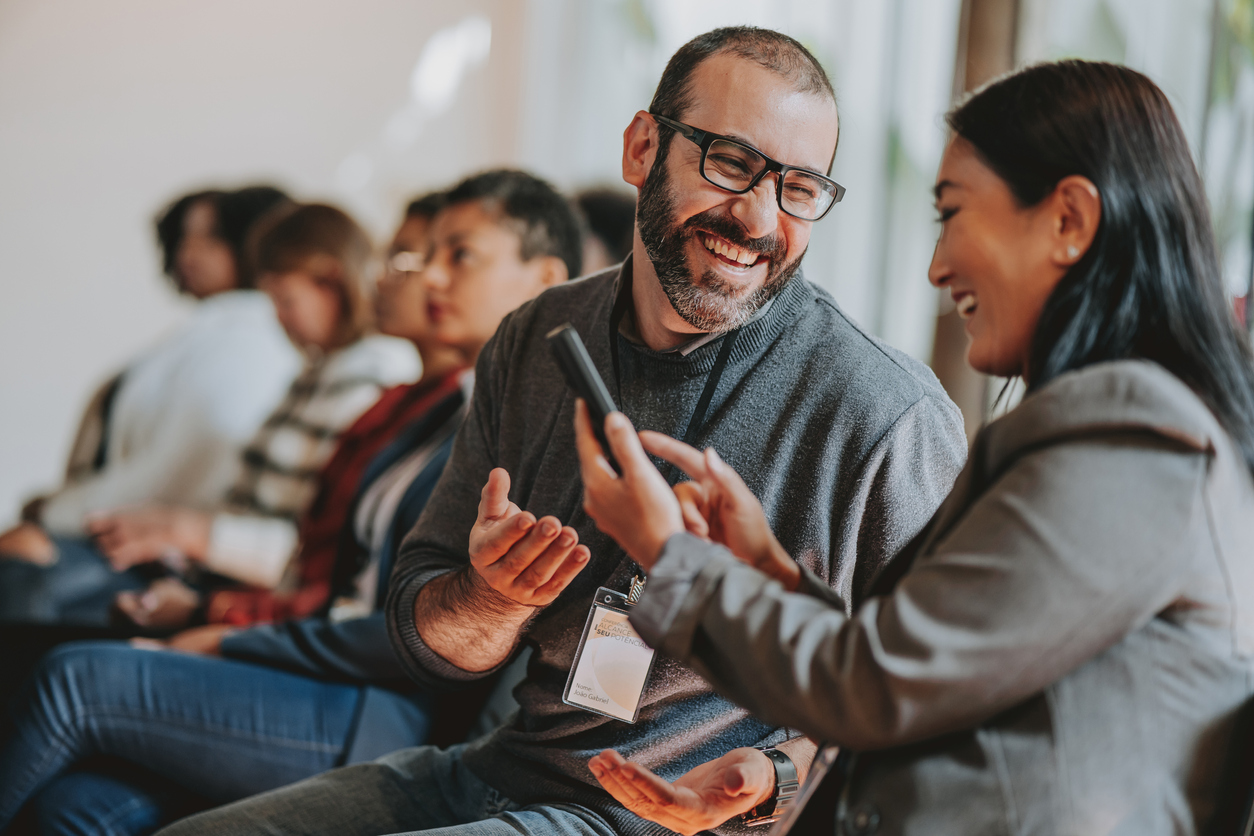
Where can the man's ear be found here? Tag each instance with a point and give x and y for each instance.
(639, 148)
(550, 271)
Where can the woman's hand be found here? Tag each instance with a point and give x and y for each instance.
(637, 509)
(205, 640)
(151, 533)
(165, 605)
(718, 505)
(702, 799)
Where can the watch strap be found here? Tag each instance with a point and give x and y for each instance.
(786, 787)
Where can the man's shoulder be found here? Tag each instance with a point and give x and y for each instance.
(866, 370)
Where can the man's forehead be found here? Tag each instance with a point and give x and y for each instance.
(738, 97)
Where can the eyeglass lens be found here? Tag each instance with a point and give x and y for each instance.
(733, 166)
(406, 262)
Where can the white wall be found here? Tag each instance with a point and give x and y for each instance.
(109, 109)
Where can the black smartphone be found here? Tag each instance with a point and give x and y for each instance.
(582, 376)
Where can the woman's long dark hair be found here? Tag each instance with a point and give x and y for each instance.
(1150, 285)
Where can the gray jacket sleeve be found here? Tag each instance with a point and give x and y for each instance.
(439, 542)
(1075, 546)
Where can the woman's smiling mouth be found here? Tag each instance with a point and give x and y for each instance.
(966, 304)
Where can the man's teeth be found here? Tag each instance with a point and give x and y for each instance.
(965, 305)
(718, 245)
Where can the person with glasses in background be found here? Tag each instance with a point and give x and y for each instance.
(707, 331)
(117, 739)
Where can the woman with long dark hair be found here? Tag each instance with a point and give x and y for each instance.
(1068, 644)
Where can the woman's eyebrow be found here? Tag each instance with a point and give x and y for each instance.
(941, 186)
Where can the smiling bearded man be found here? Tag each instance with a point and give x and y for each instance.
(708, 331)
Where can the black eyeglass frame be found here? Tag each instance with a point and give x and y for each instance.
(704, 139)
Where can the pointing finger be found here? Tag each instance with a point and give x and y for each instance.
(686, 458)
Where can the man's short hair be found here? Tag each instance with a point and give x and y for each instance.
(544, 220)
(426, 206)
(774, 51)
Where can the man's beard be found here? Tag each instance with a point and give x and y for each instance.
(708, 302)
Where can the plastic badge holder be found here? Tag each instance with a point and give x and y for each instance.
(612, 664)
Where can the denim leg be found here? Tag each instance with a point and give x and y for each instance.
(411, 790)
(78, 589)
(221, 728)
(85, 803)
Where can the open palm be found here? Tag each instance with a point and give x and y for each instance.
(701, 799)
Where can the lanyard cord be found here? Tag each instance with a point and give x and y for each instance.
(697, 422)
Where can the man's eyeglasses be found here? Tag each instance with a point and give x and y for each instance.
(737, 168)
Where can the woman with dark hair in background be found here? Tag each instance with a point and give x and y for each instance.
(172, 425)
(1067, 645)
(313, 261)
(293, 699)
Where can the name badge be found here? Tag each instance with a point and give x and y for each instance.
(612, 664)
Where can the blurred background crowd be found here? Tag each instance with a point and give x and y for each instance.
(113, 110)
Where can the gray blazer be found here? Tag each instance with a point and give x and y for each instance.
(1065, 651)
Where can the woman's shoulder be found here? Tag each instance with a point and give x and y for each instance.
(375, 358)
(1133, 396)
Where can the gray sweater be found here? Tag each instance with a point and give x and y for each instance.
(815, 414)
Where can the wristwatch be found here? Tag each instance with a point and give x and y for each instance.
(786, 786)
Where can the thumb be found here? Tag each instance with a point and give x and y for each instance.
(734, 781)
(625, 444)
(494, 500)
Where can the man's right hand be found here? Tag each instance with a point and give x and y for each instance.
(524, 560)
(473, 618)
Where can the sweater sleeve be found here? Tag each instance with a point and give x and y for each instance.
(894, 492)
(439, 542)
(1023, 589)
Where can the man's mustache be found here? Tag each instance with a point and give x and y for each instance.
(716, 222)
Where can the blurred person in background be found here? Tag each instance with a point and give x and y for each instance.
(292, 699)
(1067, 646)
(313, 262)
(172, 425)
(609, 215)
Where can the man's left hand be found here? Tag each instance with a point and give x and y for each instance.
(702, 799)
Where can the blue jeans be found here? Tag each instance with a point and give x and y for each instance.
(78, 589)
(423, 789)
(220, 728)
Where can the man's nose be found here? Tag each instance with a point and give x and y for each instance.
(758, 209)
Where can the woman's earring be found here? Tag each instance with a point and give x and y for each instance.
(1072, 252)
